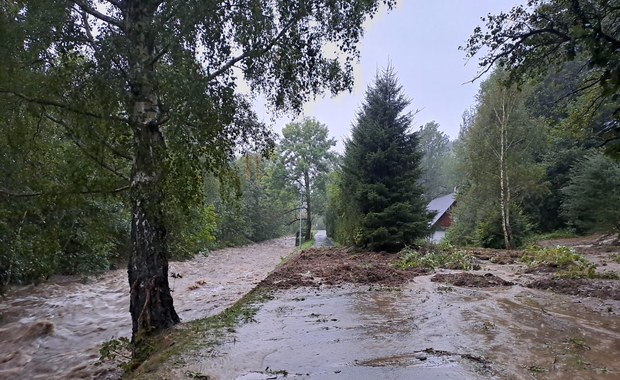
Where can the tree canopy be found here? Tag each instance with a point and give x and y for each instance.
(591, 196)
(544, 35)
(306, 158)
(435, 146)
(497, 158)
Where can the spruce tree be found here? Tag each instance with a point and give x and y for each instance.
(381, 169)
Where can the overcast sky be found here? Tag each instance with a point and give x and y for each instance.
(421, 39)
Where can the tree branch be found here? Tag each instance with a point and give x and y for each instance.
(248, 53)
(47, 102)
(84, 149)
(519, 39)
(95, 13)
(9, 194)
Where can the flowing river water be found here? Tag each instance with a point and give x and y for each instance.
(54, 330)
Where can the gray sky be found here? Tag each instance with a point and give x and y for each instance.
(421, 39)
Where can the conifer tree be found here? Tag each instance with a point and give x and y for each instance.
(381, 169)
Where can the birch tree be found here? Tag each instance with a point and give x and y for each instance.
(498, 155)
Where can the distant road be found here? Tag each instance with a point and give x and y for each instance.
(321, 239)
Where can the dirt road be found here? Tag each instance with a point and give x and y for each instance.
(344, 315)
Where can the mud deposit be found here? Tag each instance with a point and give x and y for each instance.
(338, 314)
(471, 280)
(329, 266)
(53, 331)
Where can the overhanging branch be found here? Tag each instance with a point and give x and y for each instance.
(8, 194)
(95, 13)
(248, 53)
(84, 149)
(47, 102)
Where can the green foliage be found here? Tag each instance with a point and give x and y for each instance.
(435, 163)
(60, 211)
(544, 209)
(116, 350)
(307, 244)
(381, 169)
(542, 36)
(569, 263)
(192, 232)
(305, 160)
(489, 232)
(498, 163)
(591, 196)
(341, 217)
(256, 212)
(433, 259)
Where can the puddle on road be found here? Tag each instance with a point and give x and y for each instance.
(53, 331)
(425, 331)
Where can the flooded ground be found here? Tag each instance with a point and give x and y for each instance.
(336, 314)
(423, 331)
(483, 324)
(53, 331)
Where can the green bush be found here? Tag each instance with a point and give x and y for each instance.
(60, 235)
(193, 233)
(436, 259)
(569, 263)
(490, 234)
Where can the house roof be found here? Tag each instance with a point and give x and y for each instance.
(441, 205)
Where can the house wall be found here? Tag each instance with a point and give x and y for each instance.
(445, 221)
(438, 236)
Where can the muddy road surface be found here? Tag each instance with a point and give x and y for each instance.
(341, 315)
(53, 331)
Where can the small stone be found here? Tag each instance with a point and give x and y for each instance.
(420, 356)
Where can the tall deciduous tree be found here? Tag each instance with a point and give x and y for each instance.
(306, 157)
(545, 34)
(165, 72)
(498, 155)
(381, 169)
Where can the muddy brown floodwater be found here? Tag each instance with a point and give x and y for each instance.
(424, 330)
(53, 331)
(358, 324)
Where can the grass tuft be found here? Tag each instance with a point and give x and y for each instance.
(567, 262)
(436, 259)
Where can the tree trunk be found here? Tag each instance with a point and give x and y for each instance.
(308, 207)
(151, 304)
(503, 179)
